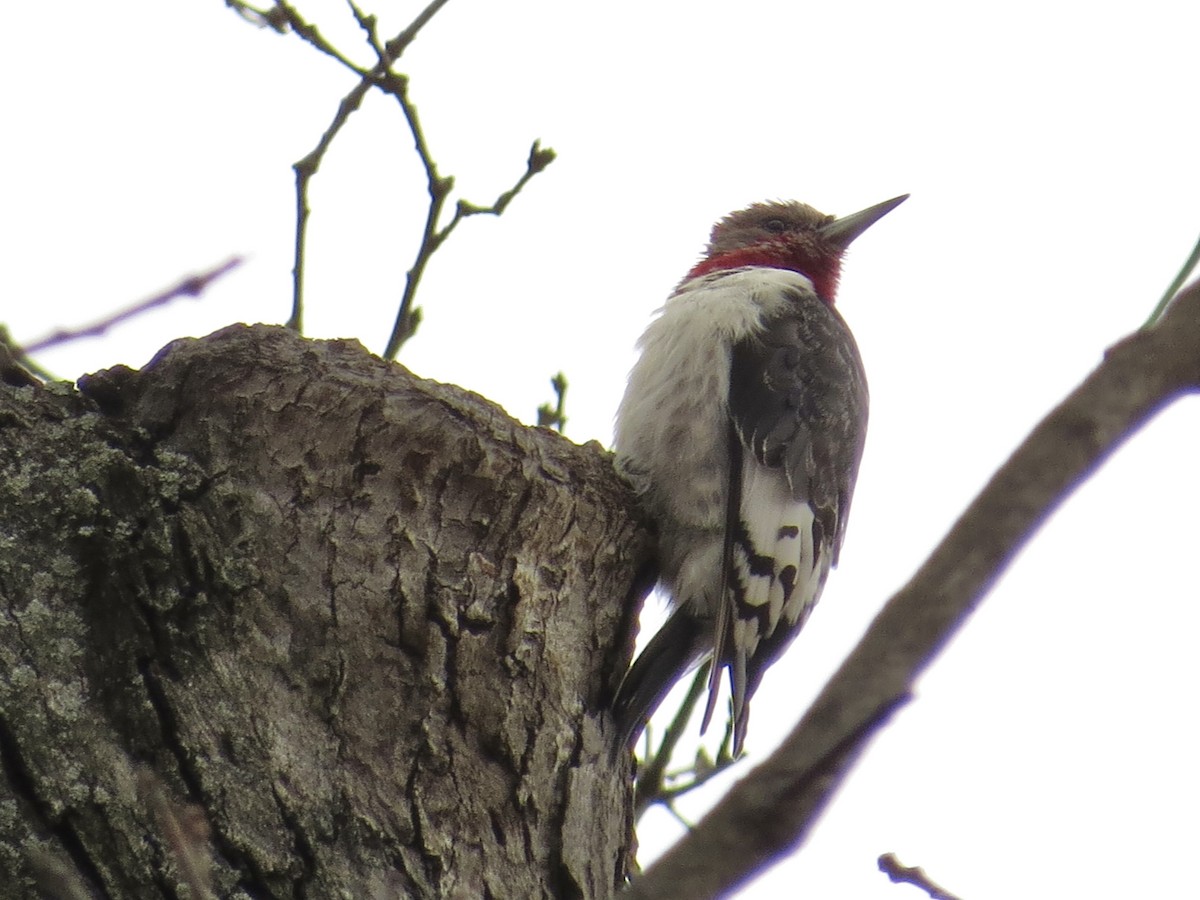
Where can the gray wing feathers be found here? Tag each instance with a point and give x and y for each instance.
(798, 399)
(798, 404)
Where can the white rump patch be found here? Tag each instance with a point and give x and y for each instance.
(780, 572)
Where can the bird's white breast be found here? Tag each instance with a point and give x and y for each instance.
(672, 428)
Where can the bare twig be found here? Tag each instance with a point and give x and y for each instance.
(439, 190)
(773, 808)
(305, 169)
(679, 817)
(555, 416)
(192, 286)
(914, 875)
(539, 158)
(380, 76)
(702, 771)
(308, 166)
(651, 779)
(292, 19)
(397, 45)
(368, 23)
(1181, 276)
(654, 783)
(262, 18)
(14, 370)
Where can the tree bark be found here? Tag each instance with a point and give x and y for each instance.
(366, 624)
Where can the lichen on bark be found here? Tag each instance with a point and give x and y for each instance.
(366, 623)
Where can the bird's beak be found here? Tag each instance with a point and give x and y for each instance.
(844, 230)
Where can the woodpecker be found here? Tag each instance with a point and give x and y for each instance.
(741, 431)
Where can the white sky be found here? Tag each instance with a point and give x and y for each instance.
(1050, 149)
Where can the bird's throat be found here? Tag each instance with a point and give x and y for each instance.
(823, 273)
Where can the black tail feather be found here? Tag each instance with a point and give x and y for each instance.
(677, 646)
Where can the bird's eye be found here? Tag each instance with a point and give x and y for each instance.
(775, 226)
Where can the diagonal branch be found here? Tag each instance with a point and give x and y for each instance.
(397, 45)
(774, 807)
(1177, 282)
(192, 286)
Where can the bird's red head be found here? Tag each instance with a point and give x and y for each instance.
(788, 236)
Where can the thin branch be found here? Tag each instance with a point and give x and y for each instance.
(772, 810)
(555, 416)
(15, 369)
(439, 189)
(260, 18)
(369, 24)
(899, 873)
(539, 158)
(310, 164)
(283, 17)
(286, 13)
(396, 46)
(1180, 277)
(305, 169)
(657, 785)
(192, 286)
(679, 817)
(651, 780)
(701, 773)
(654, 783)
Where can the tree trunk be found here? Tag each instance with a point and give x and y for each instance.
(280, 615)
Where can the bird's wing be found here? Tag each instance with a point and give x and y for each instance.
(798, 414)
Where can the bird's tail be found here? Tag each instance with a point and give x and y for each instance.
(681, 643)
